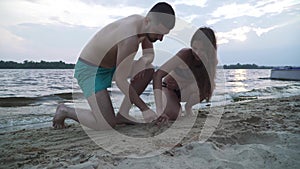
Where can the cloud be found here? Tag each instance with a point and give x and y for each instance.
(70, 12)
(258, 9)
(240, 34)
(8, 38)
(35, 41)
(260, 31)
(235, 34)
(236, 10)
(199, 3)
(190, 18)
(212, 21)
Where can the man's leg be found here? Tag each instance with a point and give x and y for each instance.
(100, 118)
(139, 84)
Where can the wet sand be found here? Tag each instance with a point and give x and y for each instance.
(256, 134)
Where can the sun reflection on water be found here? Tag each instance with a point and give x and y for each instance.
(239, 76)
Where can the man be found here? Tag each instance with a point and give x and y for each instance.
(112, 49)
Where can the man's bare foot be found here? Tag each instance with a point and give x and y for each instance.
(59, 117)
(126, 120)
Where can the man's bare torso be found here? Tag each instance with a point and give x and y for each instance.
(102, 49)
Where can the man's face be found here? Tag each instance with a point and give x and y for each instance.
(157, 32)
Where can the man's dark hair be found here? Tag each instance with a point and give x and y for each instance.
(162, 13)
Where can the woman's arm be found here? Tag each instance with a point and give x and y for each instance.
(192, 100)
(163, 71)
(190, 94)
(195, 94)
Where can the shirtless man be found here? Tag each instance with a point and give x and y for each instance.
(110, 51)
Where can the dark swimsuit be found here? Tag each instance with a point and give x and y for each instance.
(177, 91)
(188, 74)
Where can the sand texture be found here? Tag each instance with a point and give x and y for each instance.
(257, 134)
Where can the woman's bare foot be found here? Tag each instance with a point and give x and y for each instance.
(126, 120)
(59, 117)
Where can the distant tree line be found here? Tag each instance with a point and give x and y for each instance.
(35, 65)
(246, 66)
(62, 65)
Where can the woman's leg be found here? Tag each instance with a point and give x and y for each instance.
(173, 107)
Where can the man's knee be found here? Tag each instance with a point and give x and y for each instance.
(112, 123)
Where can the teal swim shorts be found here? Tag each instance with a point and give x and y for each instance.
(92, 79)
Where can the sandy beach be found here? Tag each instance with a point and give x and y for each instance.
(256, 134)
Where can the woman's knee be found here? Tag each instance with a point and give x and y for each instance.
(149, 72)
(172, 114)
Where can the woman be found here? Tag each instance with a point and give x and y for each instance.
(186, 77)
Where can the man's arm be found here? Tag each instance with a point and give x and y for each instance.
(148, 52)
(144, 62)
(157, 87)
(163, 71)
(126, 52)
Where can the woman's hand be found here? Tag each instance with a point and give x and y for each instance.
(162, 119)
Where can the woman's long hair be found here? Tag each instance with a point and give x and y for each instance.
(207, 85)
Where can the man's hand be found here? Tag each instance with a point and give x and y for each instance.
(149, 115)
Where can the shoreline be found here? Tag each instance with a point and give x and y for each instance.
(261, 133)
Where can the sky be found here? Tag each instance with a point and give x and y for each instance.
(263, 32)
